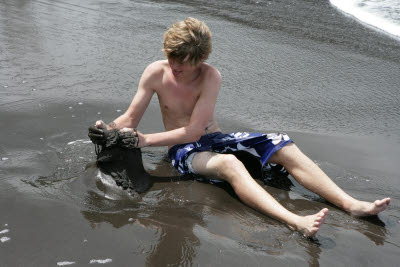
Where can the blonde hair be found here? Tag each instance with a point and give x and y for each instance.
(188, 40)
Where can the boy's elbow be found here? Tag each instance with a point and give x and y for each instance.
(196, 133)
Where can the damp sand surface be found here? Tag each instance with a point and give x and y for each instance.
(66, 64)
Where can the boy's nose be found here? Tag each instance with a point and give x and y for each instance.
(173, 64)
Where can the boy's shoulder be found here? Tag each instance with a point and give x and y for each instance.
(155, 71)
(157, 66)
(210, 72)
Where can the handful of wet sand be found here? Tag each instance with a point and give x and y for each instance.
(119, 157)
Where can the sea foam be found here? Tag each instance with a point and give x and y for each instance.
(64, 263)
(100, 261)
(4, 239)
(383, 14)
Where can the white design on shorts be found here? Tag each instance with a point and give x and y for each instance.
(275, 138)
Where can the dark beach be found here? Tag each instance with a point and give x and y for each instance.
(301, 67)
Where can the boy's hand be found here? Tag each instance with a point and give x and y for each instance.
(138, 138)
(126, 137)
(102, 125)
(96, 135)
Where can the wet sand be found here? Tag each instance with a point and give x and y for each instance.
(65, 65)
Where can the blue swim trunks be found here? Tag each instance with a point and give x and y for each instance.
(262, 146)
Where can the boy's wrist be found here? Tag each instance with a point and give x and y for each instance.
(144, 140)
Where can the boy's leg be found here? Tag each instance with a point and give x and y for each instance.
(227, 167)
(308, 174)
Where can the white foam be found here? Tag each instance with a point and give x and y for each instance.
(373, 13)
(4, 231)
(79, 140)
(63, 263)
(4, 239)
(101, 261)
(4, 158)
(106, 180)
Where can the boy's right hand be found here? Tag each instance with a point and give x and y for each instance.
(96, 133)
(101, 124)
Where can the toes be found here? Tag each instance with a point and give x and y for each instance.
(383, 202)
(323, 212)
(313, 231)
(319, 221)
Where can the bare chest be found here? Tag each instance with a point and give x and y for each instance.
(177, 101)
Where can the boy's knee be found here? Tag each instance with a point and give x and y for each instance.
(225, 166)
(228, 163)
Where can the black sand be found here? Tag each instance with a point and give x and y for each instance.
(295, 66)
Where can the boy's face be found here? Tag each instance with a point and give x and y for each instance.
(180, 69)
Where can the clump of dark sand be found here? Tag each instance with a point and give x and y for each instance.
(118, 157)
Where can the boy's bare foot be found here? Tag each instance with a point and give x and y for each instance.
(309, 225)
(363, 208)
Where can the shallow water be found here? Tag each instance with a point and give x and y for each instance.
(382, 15)
(295, 66)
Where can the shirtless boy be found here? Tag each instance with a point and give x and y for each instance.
(187, 89)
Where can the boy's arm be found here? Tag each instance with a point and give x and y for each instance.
(139, 104)
(201, 115)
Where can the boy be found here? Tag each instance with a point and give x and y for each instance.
(187, 89)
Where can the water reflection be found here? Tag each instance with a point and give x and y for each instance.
(174, 211)
(173, 223)
(176, 243)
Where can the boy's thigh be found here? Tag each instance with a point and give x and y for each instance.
(216, 164)
(203, 163)
(211, 163)
(286, 155)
